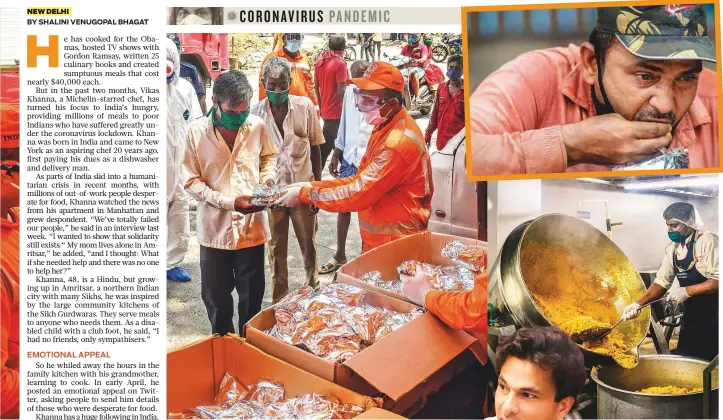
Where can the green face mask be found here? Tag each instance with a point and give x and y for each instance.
(278, 98)
(230, 121)
(428, 42)
(675, 236)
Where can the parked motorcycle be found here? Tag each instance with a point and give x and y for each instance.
(450, 45)
(417, 96)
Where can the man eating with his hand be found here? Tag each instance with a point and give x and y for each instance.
(638, 87)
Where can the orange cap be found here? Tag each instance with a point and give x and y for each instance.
(380, 75)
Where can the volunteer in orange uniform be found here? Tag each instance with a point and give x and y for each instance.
(460, 310)
(392, 190)
(278, 41)
(302, 82)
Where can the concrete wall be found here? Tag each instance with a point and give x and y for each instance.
(510, 204)
(642, 235)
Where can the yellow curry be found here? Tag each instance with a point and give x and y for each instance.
(669, 390)
(575, 299)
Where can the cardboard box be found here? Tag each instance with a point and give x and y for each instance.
(402, 368)
(195, 372)
(423, 247)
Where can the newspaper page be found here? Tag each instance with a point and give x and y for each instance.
(92, 228)
(88, 221)
(286, 211)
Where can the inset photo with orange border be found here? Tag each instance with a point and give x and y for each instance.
(558, 91)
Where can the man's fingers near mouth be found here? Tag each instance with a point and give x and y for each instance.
(650, 130)
(652, 146)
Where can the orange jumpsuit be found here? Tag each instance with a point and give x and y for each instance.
(392, 191)
(462, 310)
(302, 82)
(9, 320)
(278, 41)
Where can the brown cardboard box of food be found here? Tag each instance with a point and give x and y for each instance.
(423, 247)
(195, 372)
(402, 368)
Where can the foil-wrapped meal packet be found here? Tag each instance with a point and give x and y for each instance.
(291, 302)
(472, 258)
(409, 268)
(395, 320)
(274, 332)
(279, 411)
(349, 295)
(456, 278)
(243, 410)
(668, 159)
(265, 399)
(346, 411)
(314, 406)
(188, 414)
(264, 196)
(334, 323)
(286, 322)
(266, 393)
(318, 303)
(375, 278)
(210, 412)
(365, 321)
(335, 344)
(231, 391)
(308, 329)
(372, 277)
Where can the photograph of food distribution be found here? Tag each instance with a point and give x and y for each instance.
(344, 266)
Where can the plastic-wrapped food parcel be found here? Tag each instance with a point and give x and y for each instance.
(264, 196)
(335, 322)
(265, 399)
(667, 159)
(469, 261)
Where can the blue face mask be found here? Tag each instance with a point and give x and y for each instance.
(293, 46)
(454, 74)
(675, 236)
(169, 79)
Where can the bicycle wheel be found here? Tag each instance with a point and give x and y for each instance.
(350, 54)
(439, 53)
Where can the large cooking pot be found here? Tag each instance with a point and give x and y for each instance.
(617, 397)
(509, 292)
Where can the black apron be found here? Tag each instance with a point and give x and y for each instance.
(699, 327)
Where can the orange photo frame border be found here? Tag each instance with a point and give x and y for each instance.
(604, 174)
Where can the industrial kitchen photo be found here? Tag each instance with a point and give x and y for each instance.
(628, 269)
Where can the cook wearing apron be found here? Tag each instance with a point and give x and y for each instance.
(692, 259)
(699, 329)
